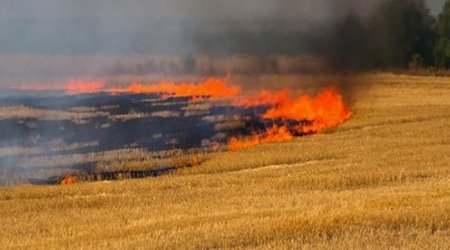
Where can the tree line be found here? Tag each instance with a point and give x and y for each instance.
(398, 34)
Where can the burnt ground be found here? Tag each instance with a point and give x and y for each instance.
(185, 125)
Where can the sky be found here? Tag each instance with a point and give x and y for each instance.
(174, 9)
(87, 26)
(115, 27)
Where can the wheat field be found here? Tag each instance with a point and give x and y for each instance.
(381, 180)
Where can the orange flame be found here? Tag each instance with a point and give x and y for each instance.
(274, 134)
(265, 98)
(314, 113)
(211, 87)
(215, 88)
(68, 180)
(326, 110)
(83, 87)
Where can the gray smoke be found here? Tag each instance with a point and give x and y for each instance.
(84, 38)
(59, 39)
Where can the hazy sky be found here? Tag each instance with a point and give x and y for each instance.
(66, 28)
(204, 9)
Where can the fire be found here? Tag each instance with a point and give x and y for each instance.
(68, 180)
(215, 88)
(83, 87)
(326, 110)
(265, 98)
(314, 114)
(302, 114)
(273, 134)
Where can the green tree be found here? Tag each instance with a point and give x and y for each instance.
(401, 30)
(442, 49)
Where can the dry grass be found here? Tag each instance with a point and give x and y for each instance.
(229, 125)
(165, 159)
(197, 109)
(53, 147)
(381, 180)
(119, 156)
(76, 114)
(165, 114)
(129, 116)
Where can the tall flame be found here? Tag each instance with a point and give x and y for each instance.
(265, 98)
(325, 110)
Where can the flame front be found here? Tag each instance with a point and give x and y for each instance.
(215, 88)
(265, 98)
(68, 180)
(303, 114)
(273, 134)
(83, 87)
(326, 110)
(211, 87)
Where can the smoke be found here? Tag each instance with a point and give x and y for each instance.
(57, 40)
(64, 38)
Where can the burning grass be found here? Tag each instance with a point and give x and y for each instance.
(69, 180)
(273, 134)
(380, 180)
(210, 87)
(300, 115)
(311, 115)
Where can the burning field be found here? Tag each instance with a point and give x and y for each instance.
(379, 179)
(208, 124)
(88, 118)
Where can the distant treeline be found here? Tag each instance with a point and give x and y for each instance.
(398, 34)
